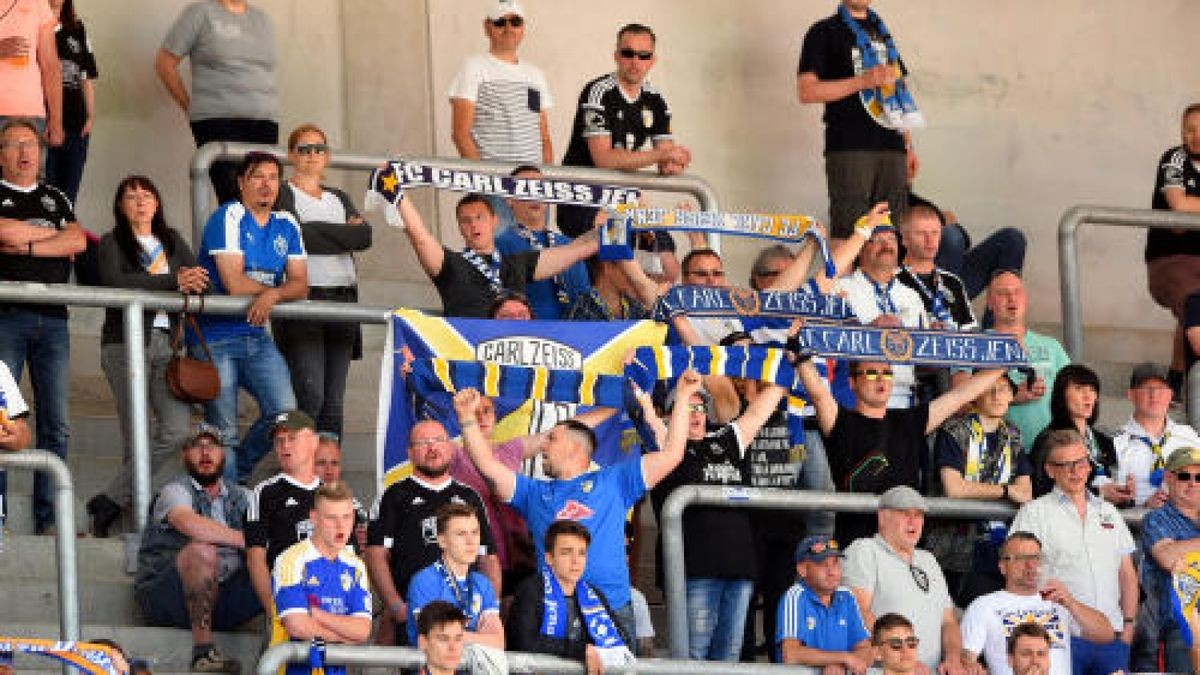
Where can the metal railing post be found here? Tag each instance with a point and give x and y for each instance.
(1069, 224)
(139, 418)
(671, 526)
(64, 539)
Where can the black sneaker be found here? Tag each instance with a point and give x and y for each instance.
(104, 512)
(211, 660)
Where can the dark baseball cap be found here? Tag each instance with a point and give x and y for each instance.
(817, 548)
(1147, 371)
(292, 420)
(202, 429)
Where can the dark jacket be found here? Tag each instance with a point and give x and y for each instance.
(117, 271)
(524, 626)
(327, 238)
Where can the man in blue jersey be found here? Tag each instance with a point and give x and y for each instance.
(249, 249)
(819, 621)
(320, 586)
(452, 578)
(598, 499)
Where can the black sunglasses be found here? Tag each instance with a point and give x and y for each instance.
(920, 578)
(312, 149)
(1187, 476)
(628, 53)
(514, 21)
(912, 642)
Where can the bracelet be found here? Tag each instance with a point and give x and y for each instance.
(1130, 620)
(30, 248)
(1005, 494)
(396, 605)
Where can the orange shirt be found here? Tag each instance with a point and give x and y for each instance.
(20, 77)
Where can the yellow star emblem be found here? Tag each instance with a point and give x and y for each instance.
(390, 182)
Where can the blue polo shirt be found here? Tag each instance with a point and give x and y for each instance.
(1165, 522)
(543, 295)
(473, 595)
(598, 500)
(264, 250)
(802, 616)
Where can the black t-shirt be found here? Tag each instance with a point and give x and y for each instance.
(830, 53)
(278, 515)
(774, 461)
(603, 110)
(44, 206)
(78, 64)
(404, 520)
(952, 290)
(871, 455)
(466, 292)
(1175, 171)
(717, 542)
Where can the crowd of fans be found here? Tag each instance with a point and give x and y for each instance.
(474, 547)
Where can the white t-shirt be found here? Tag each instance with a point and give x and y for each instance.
(991, 618)
(509, 99)
(12, 405)
(1136, 458)
(153, 250)
(859, 291)
(325, 270)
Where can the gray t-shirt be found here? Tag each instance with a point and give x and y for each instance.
(233, 61)
(896, 586)
(174, 495)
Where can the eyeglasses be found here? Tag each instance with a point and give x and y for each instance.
(707, 274)
(873, 375)
(912, 642)
(312, 149)
(1072, 464)
(697, 407)
(21, 145)
(429, 442)
(627, 53)
(1187, 476)
(514, 21)
(1022, 558)
(920, 578)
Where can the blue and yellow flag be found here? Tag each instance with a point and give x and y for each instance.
(592, 347)
(88, 657)
(1185, 596)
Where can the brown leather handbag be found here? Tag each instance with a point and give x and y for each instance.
(191, 380)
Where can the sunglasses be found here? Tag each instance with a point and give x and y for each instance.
(312, 149)
(920, 578)
(627, 53)
(430, 442)
(873, 375)
(1072, 465)
(697, 407)
(1187, 476)
(514, 21)
(912, 642)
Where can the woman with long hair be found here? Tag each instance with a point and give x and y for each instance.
(1075, 404)
(319, 354)
(142, 252)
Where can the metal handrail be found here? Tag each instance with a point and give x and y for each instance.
(64, 539)
(1068, 254)
(134, 302)
(208, 153)
(518, 662)
(671, 525)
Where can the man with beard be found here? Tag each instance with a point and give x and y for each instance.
(191, 571)
(402, 534)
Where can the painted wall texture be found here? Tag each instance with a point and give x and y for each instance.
(1032, 107)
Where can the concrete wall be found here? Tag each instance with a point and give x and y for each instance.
(1032, 107)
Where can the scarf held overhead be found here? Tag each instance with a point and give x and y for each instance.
(390, 181)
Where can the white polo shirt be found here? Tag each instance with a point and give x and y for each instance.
(1084, 554)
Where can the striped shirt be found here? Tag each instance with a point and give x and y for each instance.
(509, 99)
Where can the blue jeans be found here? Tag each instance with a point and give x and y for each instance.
(64, 164)
(1176, 652)
(717, 617)
(43, 342)
(1003, 249)
(250, 362)
(815, 475)
(1095, 658)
